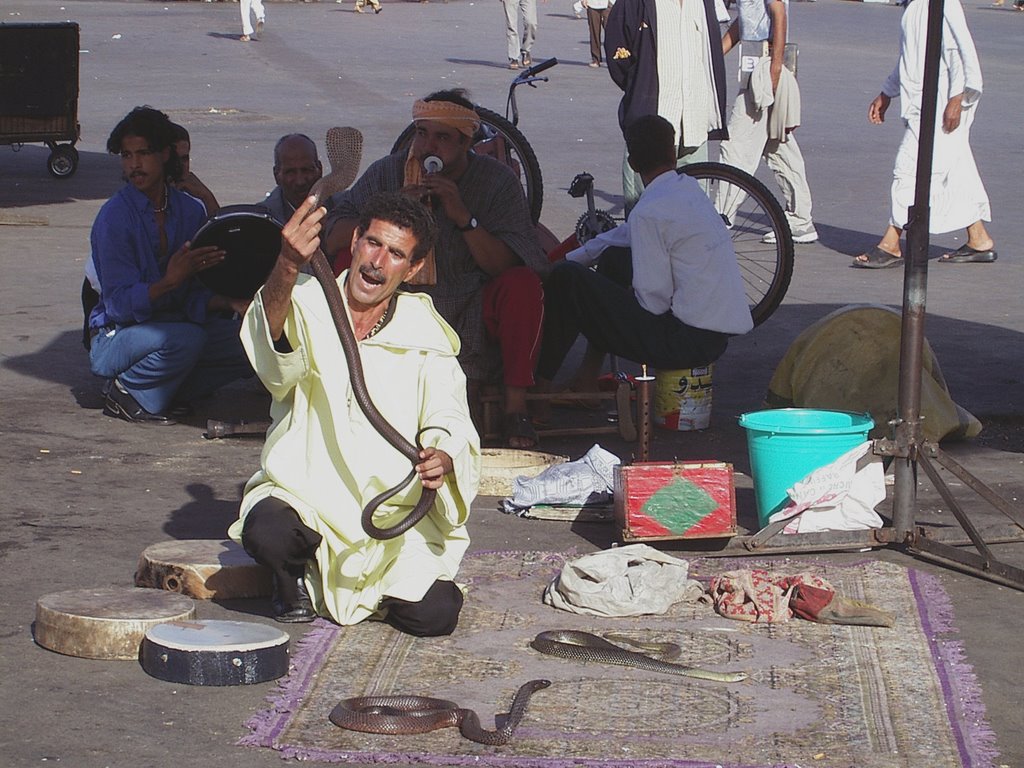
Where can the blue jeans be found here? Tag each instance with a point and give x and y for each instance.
(157, 362)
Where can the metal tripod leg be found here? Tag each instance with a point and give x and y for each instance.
(984, 564)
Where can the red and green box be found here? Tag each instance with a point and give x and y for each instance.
(675, 500)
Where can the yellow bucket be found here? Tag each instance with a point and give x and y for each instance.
(682, 399)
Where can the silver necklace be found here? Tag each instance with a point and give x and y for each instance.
(167, 199)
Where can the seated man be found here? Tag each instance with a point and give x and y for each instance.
(324, 461)
(156, 333)
(488, 260)
(296, 169)
(189, 182)
(671, 299)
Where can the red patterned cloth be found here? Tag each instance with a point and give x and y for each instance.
(766, 597)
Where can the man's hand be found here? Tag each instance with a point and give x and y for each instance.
(300, 237)
(446, 192)
(188, 260)
(434, 466)
(877, 108)
(776, 70)
(951, 115)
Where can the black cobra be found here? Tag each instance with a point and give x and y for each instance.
(400, 715)
(325, 276)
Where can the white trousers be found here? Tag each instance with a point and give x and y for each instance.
(958, 197)
(748, 143)
(513, 9)
(248, 7)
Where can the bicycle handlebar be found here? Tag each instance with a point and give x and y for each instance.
(526, 77)
(536, 69)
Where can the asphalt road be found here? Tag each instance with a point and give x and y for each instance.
(86, 494)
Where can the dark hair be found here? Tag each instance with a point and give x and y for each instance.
(153, 126)
(180, 133)
(650, 143)
(287, 137)
(458, 96)
(405, 212)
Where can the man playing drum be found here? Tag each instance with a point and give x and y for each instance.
(324, 460)
(158, 336)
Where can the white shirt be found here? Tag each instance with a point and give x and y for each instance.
(683, 259)
(684, 78)
(959, 68)
(755, 23)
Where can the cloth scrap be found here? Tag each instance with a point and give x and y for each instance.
(635, 580)
(587, 480)
(766, 597)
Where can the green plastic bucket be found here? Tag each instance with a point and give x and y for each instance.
(787, 444)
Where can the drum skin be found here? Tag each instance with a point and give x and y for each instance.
(251, 240)
(105, 623)
(212, 652)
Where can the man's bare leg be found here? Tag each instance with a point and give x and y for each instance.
(890, 244)
(978, 237)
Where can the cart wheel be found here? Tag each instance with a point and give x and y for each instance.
(63, 161)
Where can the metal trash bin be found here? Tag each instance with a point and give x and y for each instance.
(39, 90)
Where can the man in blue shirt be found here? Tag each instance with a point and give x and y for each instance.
(158, 335)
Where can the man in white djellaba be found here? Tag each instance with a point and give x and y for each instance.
(958, 199)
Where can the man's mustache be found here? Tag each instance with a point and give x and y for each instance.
(370, 273)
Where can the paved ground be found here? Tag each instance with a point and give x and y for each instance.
(87, 494)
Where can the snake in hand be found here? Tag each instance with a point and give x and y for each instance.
(350, 346)
(584, 646)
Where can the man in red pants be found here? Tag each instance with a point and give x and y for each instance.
(487, 263)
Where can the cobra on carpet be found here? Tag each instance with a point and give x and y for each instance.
(824, 695)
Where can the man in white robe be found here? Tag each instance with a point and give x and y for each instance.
(324, 461)
(958, 198)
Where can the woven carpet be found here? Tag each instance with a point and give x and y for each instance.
(822, 695)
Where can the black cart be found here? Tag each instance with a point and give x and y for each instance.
(39, 90)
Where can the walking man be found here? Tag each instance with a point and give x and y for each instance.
(666, 57)
(520, 45)
(248, 9)
(766, 111)
(958, 198)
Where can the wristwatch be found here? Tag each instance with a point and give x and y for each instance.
(473, 224)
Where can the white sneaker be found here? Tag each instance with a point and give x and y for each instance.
(803, 236)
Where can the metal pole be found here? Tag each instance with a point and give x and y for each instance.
(915, 289)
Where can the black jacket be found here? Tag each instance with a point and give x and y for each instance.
(631, 27)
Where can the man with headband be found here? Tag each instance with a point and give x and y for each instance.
(485, 273)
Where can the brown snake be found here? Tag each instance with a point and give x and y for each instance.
(400, 715)
(583, 646)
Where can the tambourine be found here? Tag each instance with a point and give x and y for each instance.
(250, 237)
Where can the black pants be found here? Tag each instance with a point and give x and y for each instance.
(275, 537)
(602, 307)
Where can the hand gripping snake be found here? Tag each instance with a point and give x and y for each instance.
(583, 646)
(400, 715)
(325, 276)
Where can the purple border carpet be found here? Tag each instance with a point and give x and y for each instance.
(818, 695)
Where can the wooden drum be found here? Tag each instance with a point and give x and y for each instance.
(204, 569)
(106, 623)
(215, 652)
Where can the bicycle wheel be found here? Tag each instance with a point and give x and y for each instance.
(501, 140)
(766, 267)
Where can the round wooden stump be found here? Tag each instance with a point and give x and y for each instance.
(106, 623)
(204, 569)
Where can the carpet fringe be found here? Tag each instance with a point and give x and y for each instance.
(306, 658)
(960, 685)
